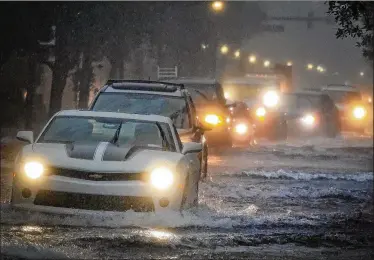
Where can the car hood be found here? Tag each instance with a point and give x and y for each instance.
(103, 157)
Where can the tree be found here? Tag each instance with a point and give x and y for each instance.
(355, 19)
(25, 25)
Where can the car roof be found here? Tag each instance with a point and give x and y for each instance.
(250, 80)
(307, 93)
(340, 87)
(144, 86)
(110, 89)
(195, 80)
(141, 117)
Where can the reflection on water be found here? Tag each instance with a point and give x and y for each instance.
(161, 235)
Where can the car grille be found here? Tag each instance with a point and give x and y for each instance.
(98, 176)
(93, 202)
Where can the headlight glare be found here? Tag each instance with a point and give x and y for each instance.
(260, 112)
(212, 119)
(359, 112)
(308, 120)
(271, 98)
(241, 128)
(33, 170)
(162, 178)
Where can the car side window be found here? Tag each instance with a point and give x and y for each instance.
(220, 94)
(192, 113)
(179, 142)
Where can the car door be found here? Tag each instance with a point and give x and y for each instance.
(190, 160)
(192, 134)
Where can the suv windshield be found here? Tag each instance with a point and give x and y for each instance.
(293, 102)
(200, 93)
(70, 129)
(142, 103)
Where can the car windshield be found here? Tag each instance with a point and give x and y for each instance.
(200, 93)
(239, 92)
(142, 103)
(343, 96)
(71, 129)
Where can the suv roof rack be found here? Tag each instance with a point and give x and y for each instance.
(144, 85)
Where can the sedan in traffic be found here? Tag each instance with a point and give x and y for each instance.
(85, 160)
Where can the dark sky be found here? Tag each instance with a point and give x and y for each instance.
(317, 45)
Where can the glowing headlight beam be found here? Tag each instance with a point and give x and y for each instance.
(359, 112)
(271, 99)
(308, 120)
(162, 178)
(241, 128)
(260, 112)
(212, 119)
(33, 170)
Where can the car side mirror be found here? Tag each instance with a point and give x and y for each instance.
(192, 147)
(25, 136)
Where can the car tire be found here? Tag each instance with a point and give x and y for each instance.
(195, 193)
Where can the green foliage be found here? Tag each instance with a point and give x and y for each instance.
(355, 19)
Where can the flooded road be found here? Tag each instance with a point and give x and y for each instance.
(295, 200)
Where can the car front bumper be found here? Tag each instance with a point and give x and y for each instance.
(58, 194)
(351, 124)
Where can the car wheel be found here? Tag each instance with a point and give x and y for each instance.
(190, 194)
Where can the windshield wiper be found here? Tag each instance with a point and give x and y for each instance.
(116, 135)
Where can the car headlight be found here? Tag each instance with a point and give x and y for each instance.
(241, 128)
(260, 112)
(308, 120)
(212, 119)
(271, 98)
(33, 170)
(162, 178)
(359, 112)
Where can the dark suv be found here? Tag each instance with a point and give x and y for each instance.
(158, 98)
(208, 96)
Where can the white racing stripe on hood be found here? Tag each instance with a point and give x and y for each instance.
(100, 150)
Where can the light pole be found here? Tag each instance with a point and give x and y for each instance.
(217, 7)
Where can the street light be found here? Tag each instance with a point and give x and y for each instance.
(218, 6)
(252, 59)
(319, 68)
(237, 54)
(362, 73)
(289, 63)
(266, 63)
(204, 46)
(224, 49)
(310, 66)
